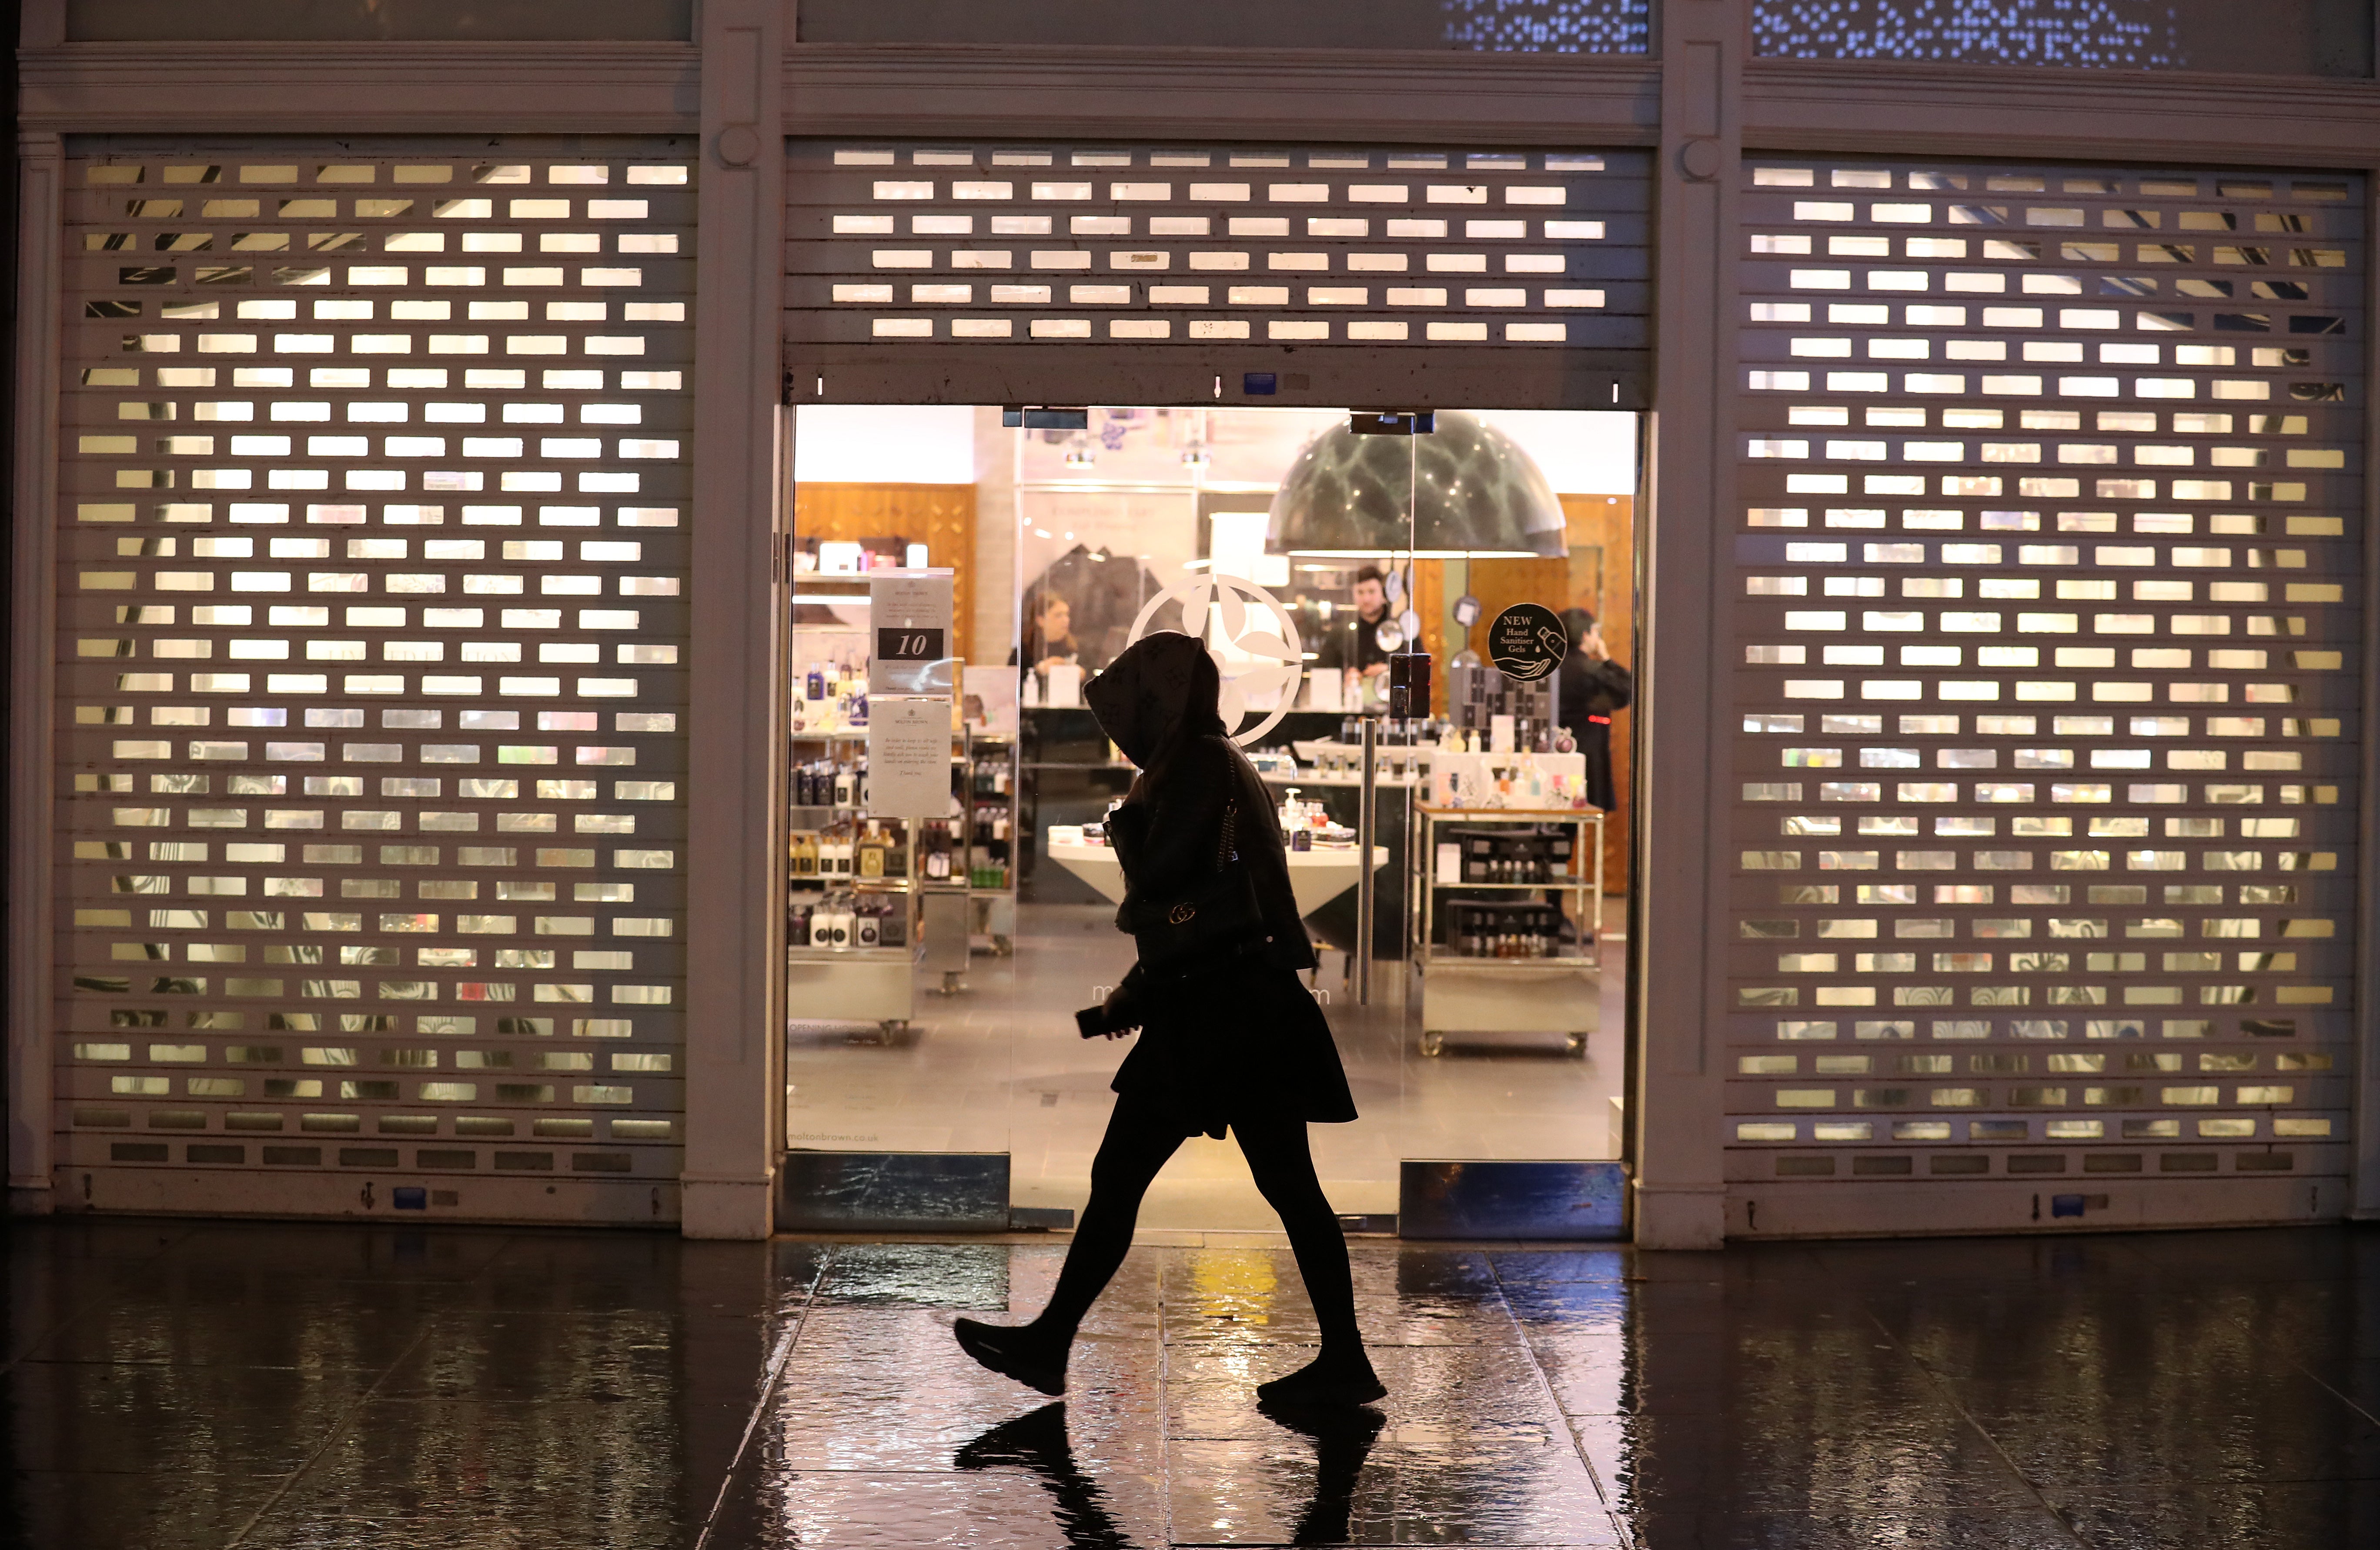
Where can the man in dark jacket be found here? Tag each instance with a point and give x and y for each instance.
(1352, 640)
(1590, 687)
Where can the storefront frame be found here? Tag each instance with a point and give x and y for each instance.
(1700, 102)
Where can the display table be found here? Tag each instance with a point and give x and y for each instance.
(1316, 876)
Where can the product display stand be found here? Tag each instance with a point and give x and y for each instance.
(850, 980)
(945, 904)
(994, 780)
(1493, 955)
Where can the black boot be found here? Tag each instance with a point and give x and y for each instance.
(1015, 1352)
(1328, 1380)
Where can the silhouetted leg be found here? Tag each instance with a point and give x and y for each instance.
(1342, 1374)
(1284, 1166)
(1139, 1142)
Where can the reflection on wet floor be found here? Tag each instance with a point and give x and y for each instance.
(1002, 1068)
(173, 1384)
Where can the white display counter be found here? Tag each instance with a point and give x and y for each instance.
(1316, 876)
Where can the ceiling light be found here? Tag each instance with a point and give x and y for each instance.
(1354, 497)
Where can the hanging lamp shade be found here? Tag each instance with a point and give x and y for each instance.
(1346, 496)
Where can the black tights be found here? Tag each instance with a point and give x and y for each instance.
(1139, 1141)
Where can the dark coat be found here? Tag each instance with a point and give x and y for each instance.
(1351, 640)
(1237, 1033)
(1588, 694)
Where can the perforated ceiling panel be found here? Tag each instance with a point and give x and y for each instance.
(2049, 555)
(371, 609)
(1228, 254)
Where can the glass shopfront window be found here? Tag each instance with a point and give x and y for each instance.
(937, 961)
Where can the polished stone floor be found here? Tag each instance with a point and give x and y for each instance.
(173, 1384)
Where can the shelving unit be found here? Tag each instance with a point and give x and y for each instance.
(852, 982)
(1555, 986)
(992, 782)
(946, 907)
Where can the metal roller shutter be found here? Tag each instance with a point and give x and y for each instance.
(370, 715)
(2049, 564)
(1140, 274)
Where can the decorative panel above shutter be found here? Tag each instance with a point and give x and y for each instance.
(1134, 274)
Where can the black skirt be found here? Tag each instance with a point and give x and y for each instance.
(1240, 1038)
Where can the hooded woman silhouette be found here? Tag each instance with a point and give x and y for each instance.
(1230, 1039)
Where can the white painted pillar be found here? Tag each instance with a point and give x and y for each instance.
(735, 850)
(1682, 706)
(32, 682)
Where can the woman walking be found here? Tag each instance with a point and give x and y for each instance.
(1230, 1039)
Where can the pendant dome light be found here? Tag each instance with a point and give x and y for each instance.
(1346, 496)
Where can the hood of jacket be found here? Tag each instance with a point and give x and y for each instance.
(1161, 690)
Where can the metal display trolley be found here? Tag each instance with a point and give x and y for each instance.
(1507, 922)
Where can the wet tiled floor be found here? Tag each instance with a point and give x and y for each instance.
(176, 1384)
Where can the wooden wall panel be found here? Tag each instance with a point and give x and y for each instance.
(1603, 581)
(1599, 575)
(940, 517)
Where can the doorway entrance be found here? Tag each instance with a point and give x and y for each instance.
(939, 1026)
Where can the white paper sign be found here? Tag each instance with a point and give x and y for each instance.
(908, 757)
(911, 650)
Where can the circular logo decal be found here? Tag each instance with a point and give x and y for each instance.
(1252, 638)
(1527, 642)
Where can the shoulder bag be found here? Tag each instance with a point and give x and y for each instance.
(1217, 911)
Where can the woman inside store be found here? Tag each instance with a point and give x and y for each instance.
(1229, 1037)
(1588, 688)
(1048, 637)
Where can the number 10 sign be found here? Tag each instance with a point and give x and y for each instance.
(910, 614)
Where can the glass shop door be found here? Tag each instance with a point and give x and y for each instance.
(931, 1053)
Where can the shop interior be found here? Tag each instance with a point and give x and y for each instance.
(939, 945)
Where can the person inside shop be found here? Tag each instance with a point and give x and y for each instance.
(1590, 688)
(1356, 643)
(1229, 1040)
(1049, 637)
